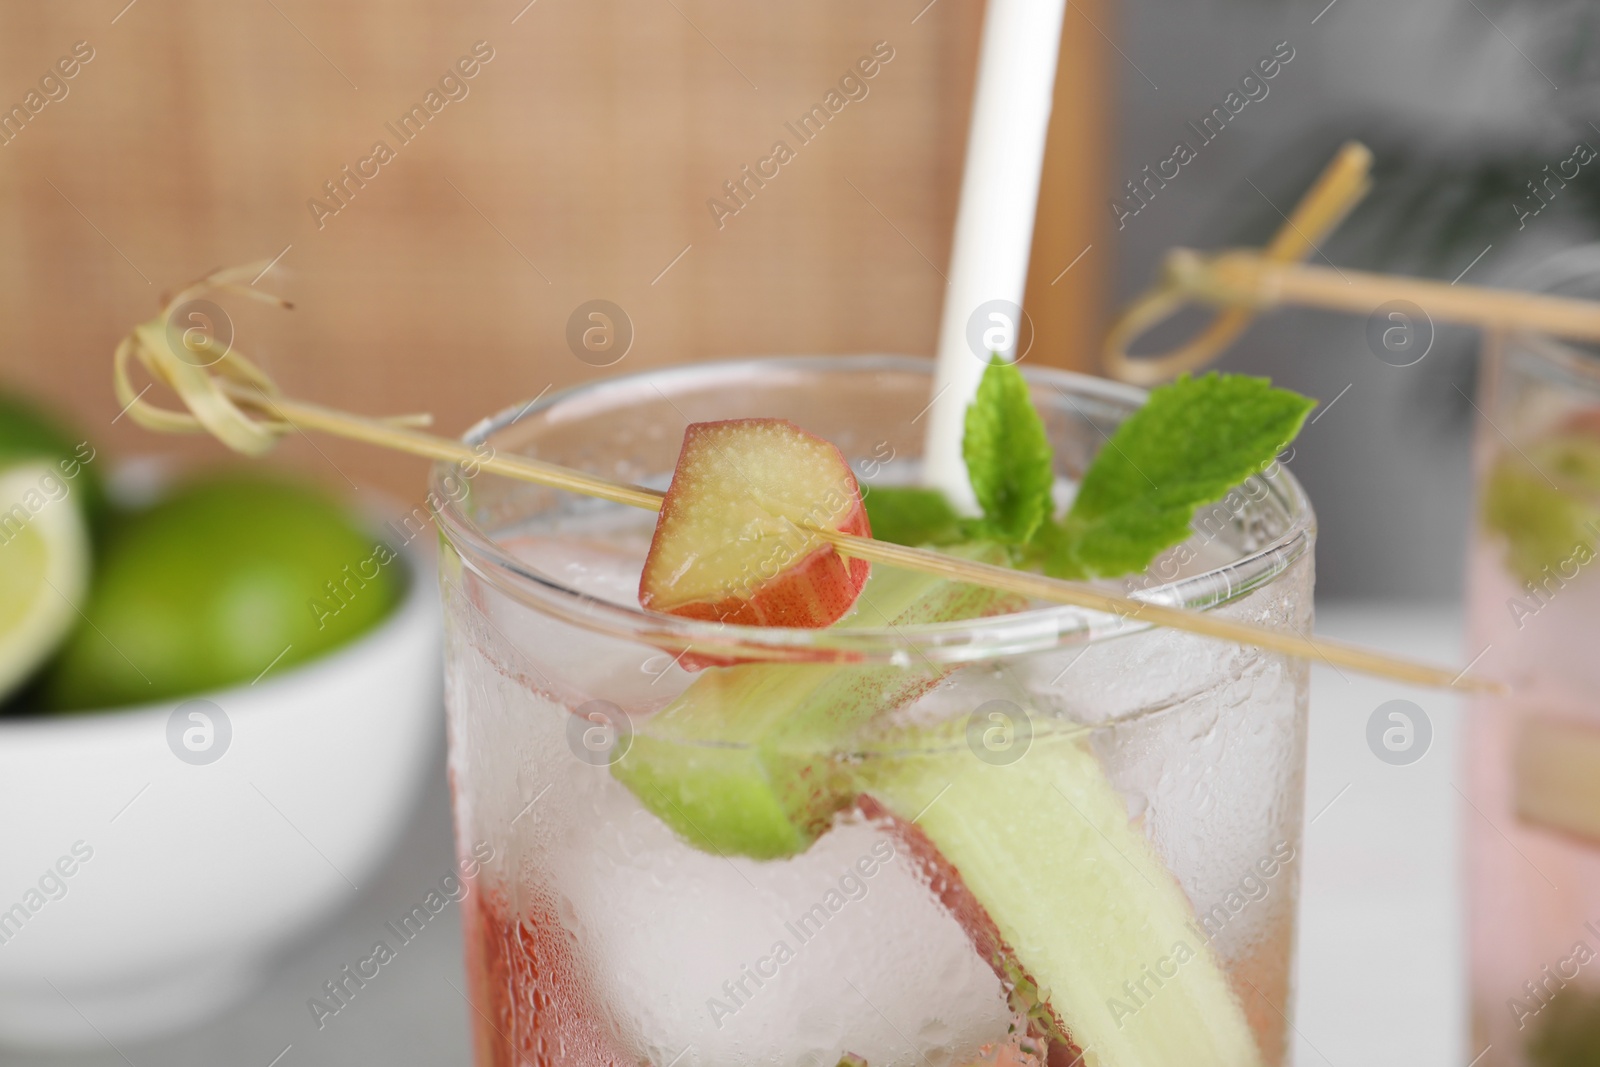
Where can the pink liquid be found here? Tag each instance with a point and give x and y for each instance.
(1534, 890)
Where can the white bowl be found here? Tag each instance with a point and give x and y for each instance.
(197, 873)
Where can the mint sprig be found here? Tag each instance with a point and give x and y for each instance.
(1008, 456)
(1192, 442)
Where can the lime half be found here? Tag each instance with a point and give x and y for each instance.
(44, 568)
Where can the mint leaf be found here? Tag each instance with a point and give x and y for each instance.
(907, 515)
(1192, 442)
(1195, 439)
(1007, 455)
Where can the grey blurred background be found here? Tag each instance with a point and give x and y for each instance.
(1463, 102)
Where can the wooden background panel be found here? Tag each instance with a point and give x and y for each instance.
(577, 166)
(1069, 279)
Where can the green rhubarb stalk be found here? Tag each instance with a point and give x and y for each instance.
(747, 760)
(1077, 894)
(1545, 502)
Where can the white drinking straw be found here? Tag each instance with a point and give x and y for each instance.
(994, 221)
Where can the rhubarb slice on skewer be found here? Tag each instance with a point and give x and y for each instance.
(732, 543)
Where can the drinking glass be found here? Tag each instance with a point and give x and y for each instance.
(1532, 833)
(1027, 837)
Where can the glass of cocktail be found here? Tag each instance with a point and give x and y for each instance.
(952, 829)
(1533, 833)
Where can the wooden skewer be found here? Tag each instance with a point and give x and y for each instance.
(1337, 190)
(222, 403)
(1038, 586)
(1243, 282)
(1246, 277)
(384, 435)
(1024, 583)
(1042, 587)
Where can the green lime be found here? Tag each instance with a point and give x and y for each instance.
(215, 585)
(45, 560)
(27, 433)
(48, 494)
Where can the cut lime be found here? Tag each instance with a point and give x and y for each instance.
(44, 567)
(27, 433)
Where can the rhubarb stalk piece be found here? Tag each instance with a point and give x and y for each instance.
(1075, 896)
(748, 760)
(732, 544)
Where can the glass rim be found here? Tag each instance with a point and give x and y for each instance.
(1562, 358)
(961, 641)
(1570, 272)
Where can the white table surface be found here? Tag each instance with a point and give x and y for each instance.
(1380, 965)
